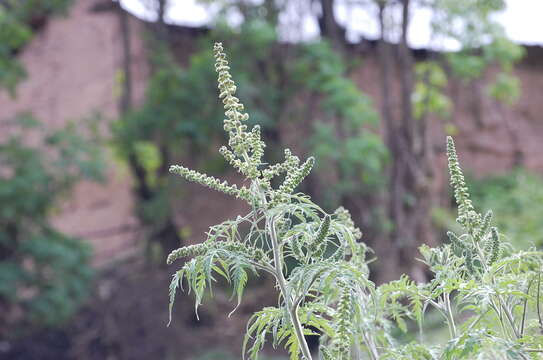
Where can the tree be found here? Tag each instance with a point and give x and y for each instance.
(329, 27)
(412, 91)
(44, 274)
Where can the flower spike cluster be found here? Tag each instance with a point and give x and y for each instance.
(479, 231)
(256, 254)
(246, 149)
(271, 236)
(467, 216)
(344, 216)
(210, 182)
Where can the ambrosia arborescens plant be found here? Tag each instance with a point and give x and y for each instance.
(329, 293)
(282, 224)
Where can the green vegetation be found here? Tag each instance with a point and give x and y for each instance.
(496, 292)
(518, 198)
(149, 137)
(44, 274)
(214, 355)
(17, 19)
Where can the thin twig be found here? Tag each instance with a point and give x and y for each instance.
(538, 303)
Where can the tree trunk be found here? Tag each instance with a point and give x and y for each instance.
(161, 28)
(125, 103)
(408, 203)
(514, 137)
(166, 234)
(329, 27)
(412, 191)
(387, 250)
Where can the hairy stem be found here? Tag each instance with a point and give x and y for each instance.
(371, 348)
(291, 305)
(450, 317)
(538, 304)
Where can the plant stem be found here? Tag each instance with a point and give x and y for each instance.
(509, 316)
(291, 306)
(502, 304)
(477, 320)
(372, 350)
(450, 317)
(537, 300)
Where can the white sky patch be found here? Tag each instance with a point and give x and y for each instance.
(179, 12)
(522, 20)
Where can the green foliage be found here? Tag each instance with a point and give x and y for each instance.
(517, 197)
(171, 91)
(150, 136)
(482, 42)
(13, 35)
(16, 31)
(44, 274)
(454, 20)
(477, 274)
(272, 234)
(428, 95)
(347, 137)
(477, 278)
(505, 89)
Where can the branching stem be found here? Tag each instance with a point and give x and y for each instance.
(450, 317)
(289, 303)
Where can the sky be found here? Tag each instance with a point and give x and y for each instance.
(522, 21)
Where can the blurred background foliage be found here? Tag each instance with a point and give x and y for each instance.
(517, 199)
(514, 197)
(45, 275)
(18, 21)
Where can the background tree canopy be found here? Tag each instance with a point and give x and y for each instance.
(44, 274)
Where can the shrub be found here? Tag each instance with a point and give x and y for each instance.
(328, 292)
(44, 274)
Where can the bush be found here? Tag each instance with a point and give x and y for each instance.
(44, 274)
